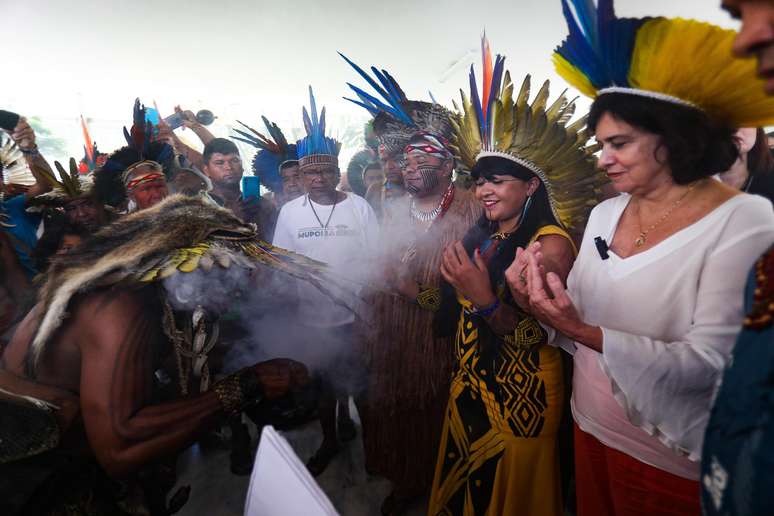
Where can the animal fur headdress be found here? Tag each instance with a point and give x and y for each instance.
(177, 236)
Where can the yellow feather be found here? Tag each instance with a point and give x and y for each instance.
(572, 75)
(693, 61)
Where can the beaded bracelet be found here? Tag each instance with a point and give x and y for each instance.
(486, 311)
(29, 152)
(237, 390)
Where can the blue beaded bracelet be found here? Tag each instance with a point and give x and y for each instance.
(489, 310)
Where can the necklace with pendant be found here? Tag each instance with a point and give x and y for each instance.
(330, 215)
(643, 237)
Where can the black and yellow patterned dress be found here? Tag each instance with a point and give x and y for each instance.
(498, 452)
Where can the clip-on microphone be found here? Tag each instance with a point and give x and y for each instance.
(602, 247)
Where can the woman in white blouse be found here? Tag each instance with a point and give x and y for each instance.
(653, 303)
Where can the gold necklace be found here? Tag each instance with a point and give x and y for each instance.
(640, 241)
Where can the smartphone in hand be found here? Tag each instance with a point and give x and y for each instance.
(251, 187)
(8, 120)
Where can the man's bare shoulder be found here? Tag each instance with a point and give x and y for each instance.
(89, 314)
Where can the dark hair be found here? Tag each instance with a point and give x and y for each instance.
(539, 212)
(219, 146)
(760, 162)
(696, 147)
(288, 164)
(56, 227)
(373, 165)
(490, 166)
(538, 215)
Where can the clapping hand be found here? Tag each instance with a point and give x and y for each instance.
(557, 309)
(469, 277)
(516, 274)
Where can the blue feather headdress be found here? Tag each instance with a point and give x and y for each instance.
(397, 119)
(109, 178)
(272, 152)
(599, 45)
(316, 148)
(139, 140)
(393, 102)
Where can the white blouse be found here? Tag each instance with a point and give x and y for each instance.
(669, 316)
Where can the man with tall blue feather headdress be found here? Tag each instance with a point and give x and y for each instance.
(409, 368)
(340, 229)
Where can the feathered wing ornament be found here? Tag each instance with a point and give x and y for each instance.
(273, 150)
(178, 236)
(685, 62)
(536, 135)
(13, 166)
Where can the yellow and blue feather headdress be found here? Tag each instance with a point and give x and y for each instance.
(685, 62)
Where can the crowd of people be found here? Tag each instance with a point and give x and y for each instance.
(534, 311)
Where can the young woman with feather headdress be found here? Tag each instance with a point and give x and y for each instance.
(535, 180)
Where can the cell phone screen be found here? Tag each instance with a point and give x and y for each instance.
(251, 187)
(8, 120)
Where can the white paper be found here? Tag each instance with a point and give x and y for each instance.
(281, 485)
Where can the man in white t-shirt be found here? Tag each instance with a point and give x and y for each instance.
(341, 230)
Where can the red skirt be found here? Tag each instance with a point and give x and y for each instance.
(611, 483)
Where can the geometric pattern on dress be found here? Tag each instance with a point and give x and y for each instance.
(523, 392)
(481, 411)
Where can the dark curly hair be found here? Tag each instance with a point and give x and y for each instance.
(696, 146)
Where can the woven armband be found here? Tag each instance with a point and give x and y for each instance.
(429, 298)
(237, 390)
